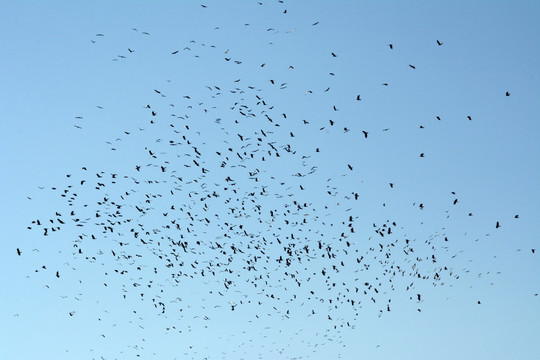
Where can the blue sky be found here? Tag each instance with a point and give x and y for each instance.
(74, 108)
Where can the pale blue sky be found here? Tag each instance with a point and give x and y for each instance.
(68, 97)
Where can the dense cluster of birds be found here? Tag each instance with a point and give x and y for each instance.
(250, 217)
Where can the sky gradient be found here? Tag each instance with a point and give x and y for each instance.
(392, 130)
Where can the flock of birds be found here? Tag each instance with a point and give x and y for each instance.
(250, 218)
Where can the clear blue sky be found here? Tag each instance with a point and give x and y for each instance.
(74, 120)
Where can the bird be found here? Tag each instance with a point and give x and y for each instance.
(18, 252)
(439, 43)
(507, 93)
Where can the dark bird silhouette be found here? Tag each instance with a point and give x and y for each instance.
(18, 252)
(439, 43)
(412, 66)
(507, 93)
